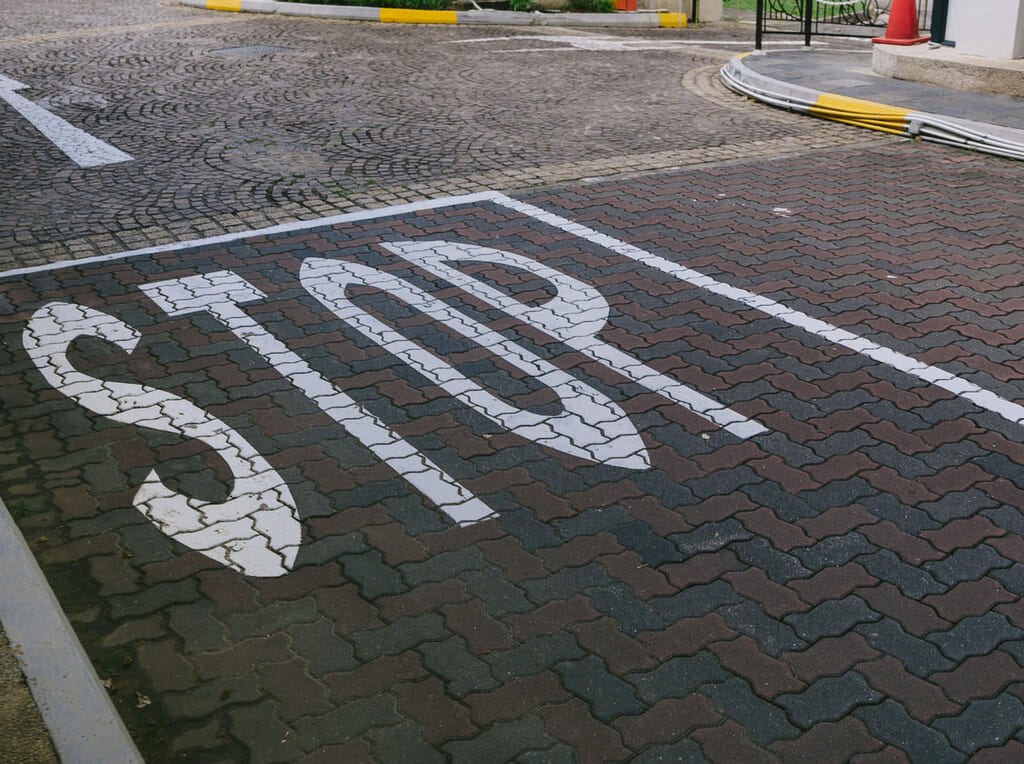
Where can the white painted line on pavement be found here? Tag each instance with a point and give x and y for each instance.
(83, 149)
(985, 399)
(76, 708)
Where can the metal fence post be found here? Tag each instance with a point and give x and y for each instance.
(759, 25)
(808, 20)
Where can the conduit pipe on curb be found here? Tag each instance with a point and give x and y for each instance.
(869, 114)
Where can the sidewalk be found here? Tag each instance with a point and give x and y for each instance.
(842, 85)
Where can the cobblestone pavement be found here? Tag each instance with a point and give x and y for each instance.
(698, 451)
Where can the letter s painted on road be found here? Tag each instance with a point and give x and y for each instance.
(255, 529)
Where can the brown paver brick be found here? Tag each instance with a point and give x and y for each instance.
(831, 656)
(440, 717)
(228, 592)
(777, 600)
(516, 697)
(908, 491)
(395, 544)
(962, 534)
(605, 639)
(969, 598)
(645, 581)
(552, 617)
(837, 521)
(301, 583)
(242, 657)
(914, 617)
(923, 700)
(472, 622)
(379, 674)
(517, 564)
(296, 692)
(888, 755)
(980, 676)
(662, 521)
(666, 721)
(833, 583)
(425, 598)
(344, 606)
(829, 742)
(573, 723)
(728, 742)
(767, 676)
(910, 548)
(717, 508)
(1010, 546)
(783, 535)
(702, 568)
(687, 637)
(579, 551)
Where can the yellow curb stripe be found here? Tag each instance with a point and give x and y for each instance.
(673, 20)
(407, 16)
(223, 5)
(856, 111)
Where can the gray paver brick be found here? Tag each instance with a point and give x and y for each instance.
(347, 722)
(462, 672)
(889, 721)
(533, 656)
(608, 695)
(267, 736)
(832, 618)
(764, 722)
(984, 723)
(321, 647)
(829, 699)
(403, 743)
(678, 677)
(270, 619)
(504, 741)
(397, 637)
(975, 635)
(772, 636)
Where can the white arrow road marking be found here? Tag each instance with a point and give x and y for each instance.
(83, 149)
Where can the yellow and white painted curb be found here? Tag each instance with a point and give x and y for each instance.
(951, 131)
(640, 19)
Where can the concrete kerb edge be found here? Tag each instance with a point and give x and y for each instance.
(804, 100)
(76, 708)
(640, 20)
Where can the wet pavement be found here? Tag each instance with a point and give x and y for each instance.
(568, 446)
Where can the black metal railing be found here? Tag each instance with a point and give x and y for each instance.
(828, 18)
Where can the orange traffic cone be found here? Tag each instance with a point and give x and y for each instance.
(902, 28)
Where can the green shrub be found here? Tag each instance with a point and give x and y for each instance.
(590, 6)
(522, 5)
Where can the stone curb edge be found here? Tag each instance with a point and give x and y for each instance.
(897, 120)
(640, 20)
(76, 708)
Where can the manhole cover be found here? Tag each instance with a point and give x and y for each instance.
(251, 50)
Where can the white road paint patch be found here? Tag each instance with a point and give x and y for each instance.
(81, 148)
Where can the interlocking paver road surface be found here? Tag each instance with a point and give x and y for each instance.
(717, 462)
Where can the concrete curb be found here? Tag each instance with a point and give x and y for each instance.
(638, 20)
(83, 723)
(898, 120)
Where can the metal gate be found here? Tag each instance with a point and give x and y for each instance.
(828, 18)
